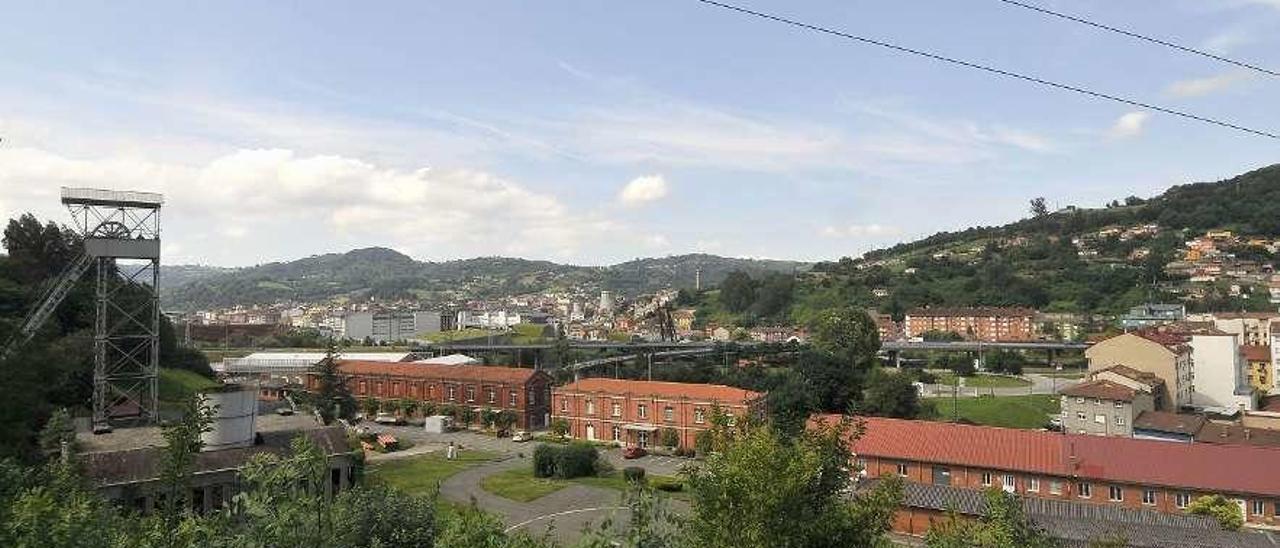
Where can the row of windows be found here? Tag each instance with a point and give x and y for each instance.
(1100, 418)
(451, 393)
(642, 411)
(1115, 493)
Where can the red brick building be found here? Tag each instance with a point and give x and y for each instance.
(524, 391)
(633, 412)
(977, 324)
(1126, 472)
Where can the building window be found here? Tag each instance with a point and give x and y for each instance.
(941, 475)
(617, 410)
(1100, 418)
(1275, 511)
(1148, 496)
(861, 463)
(1055, 487)
(668, 414)
(1081, 416)
(364, 387)
(1033, 485)
(698, 416)
(617, 434)
(902, 470)
(1119, 420)
(514, 399)
(493, 396)
(1084, 490)
(1115, 494)
(642, 411)
(1259, 509)
(1079, 400)
(471, 393)
(986, 479)
(1009, 483)
(1181, 500)
(1119, 405)
(564, 406)
(453, 393)
(591, 407)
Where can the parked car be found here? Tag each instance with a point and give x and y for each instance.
(388, 418)
(522, 436)
(633, 452)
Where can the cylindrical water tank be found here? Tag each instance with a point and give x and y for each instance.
(235, 408)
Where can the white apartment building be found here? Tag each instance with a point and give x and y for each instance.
(1218, 372)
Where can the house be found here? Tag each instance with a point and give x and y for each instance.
(1151, 314)
(1218, 369)
(634, 412)
(1103, 407)
(1165, 426)
(125, 465)
(524, 392)
(1258, 366)
(1252, 328)
(721, 334)
(1164, 354)
(1103, 470)
(979, 323)
(683, 319)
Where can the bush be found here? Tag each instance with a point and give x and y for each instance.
(544, 461)
(570, 461)
(670, 485)
(633, 474)
(702, 442)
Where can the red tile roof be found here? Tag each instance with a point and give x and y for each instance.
(1145, 377)
(430, 371)
(1166, 338)
(705, 392)
(1256, 352)
(1102, 390)
(1196, 466)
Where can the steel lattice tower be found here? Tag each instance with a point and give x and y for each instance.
(121, 233)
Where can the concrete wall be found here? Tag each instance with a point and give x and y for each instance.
(1116, 416)
(1218, 370)
(1145, 355)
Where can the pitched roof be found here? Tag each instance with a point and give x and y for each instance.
(433, 371)
(707, 392)
(1174, 423)
(1101, 389)
(1216, 432)
(1195, 466)
(1256, 352)
(1145, 377)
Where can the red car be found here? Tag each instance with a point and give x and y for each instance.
(633, 452)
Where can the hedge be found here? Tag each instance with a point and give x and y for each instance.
(570, 461)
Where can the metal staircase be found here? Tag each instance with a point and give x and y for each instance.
(48, 302)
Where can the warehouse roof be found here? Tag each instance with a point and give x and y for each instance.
(674, 390)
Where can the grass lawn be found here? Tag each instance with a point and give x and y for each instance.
(518, 484)
(177, 385)
(1031, 411)
(983, 381)
(422, 474)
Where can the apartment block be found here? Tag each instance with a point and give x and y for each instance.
(981, 324)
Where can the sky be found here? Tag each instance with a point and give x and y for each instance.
(596, 131)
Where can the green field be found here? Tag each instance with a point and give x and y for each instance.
(984, 381)
(179, 384)
(422, 475)
(518, 484)
(1032, 411)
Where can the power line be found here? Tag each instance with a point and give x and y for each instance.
(989, 69)
(1143, 37)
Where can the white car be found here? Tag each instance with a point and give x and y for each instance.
(522, 436)
(387, 418)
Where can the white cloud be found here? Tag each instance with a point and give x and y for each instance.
(1223, 42)
(275, 195)
(1129, 125)
(860, 231)
(1197, 87)
(643, 190)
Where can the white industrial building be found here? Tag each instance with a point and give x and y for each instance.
(393, 326)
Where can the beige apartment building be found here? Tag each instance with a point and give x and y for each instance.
(1164, 354)
(1103, 408)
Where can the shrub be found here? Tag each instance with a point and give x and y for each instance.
(702, 442)
(544, 461)
(633, 474)
(670, 485)
(670, 437)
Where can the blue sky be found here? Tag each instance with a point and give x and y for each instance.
(597, 131)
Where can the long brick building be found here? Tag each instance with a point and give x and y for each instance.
(524, 391)
(634, 412)
(979, 324)
(1126, 472)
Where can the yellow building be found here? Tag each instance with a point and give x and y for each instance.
(1258, 358)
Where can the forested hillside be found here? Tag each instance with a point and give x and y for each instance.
(1041, 262)
(387, 274)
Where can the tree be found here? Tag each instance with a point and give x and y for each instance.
(891, 395)
(848, 333)
(1038, 207)
(790, 403)
(757, 489)
(504, 420)
(737, 291)
(1002, 524)
(1220, 508)
(559, 427)
(333, 399)
(832, 383)
(182, 444)
(670, 437)
(58, 432)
